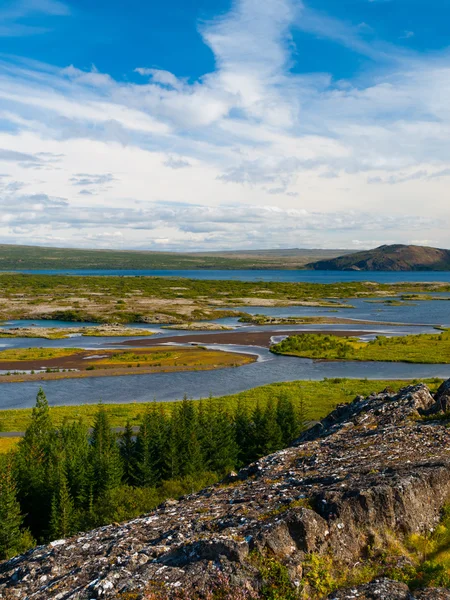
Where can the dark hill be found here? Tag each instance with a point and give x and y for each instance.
(396, 257)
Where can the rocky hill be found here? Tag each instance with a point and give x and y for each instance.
(389, 258)
(340, 503)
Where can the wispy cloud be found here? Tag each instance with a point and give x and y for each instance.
(12, 12)
(200, 163)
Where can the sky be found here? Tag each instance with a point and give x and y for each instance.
(224, 124)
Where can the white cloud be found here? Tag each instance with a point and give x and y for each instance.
(200, 164)
(13, 11)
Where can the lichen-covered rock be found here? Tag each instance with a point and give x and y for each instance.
(371, 467)
(385, 589)
(380, 589)
(443, 397)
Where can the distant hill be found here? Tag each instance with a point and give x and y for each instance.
(396, 257)
(14, 257)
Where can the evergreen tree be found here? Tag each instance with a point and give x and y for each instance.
(11, 518)
(106, 463)
(62, 519)
(286, 419)
(243, 427)
(171, 451)
(224, 451)
(128, 453)
(257, 443)
(186, 432)
(76, 462)
(271, 432)
(33, 466)
(146, 474)
(301, 415)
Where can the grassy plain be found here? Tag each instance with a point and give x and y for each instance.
(36, 257)
(164, 300)
(424, 348)
(318, 397)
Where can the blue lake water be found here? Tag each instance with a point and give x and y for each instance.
(200, 384)
(263, 275)
(419, 317)
(172, 386)
(430, 312)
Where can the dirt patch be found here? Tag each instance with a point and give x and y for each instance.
(241, 338)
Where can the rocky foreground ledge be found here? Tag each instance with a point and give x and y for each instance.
(373, 470)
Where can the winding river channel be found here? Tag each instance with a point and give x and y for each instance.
(417, 317)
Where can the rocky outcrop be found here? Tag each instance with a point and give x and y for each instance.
(373, 468)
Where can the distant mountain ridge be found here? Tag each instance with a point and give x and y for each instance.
(396, 257)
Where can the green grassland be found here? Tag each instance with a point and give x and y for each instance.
(425, 348)
(318, 398)
(36, 257)
(170, 300)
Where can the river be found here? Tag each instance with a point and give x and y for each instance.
(418, 317)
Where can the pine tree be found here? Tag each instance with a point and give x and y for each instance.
(106, 463)
(301, 415)
(286, 419)
(223, 451)
(75, 462)
(171, 466)
(185, 427)
(128, 453)
(145, 475)
(62, 519)
(257, 441)
(33, 466)
(271, 432)
(11, 518)
(244, 434)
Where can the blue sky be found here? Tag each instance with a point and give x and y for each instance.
(210, 124)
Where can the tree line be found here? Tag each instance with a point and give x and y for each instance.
(61, 480)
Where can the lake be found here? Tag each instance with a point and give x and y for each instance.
(263, 275)
(420, 317)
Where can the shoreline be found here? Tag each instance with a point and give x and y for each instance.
(260, 339)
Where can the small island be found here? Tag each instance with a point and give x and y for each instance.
(424, 348)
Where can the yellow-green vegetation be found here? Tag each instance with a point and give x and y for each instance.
(181, 357)
(319, 398)
(61, 333)
(170, 300)
(149, 356)
(425, 348)
(8, 443)
(28, 354)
